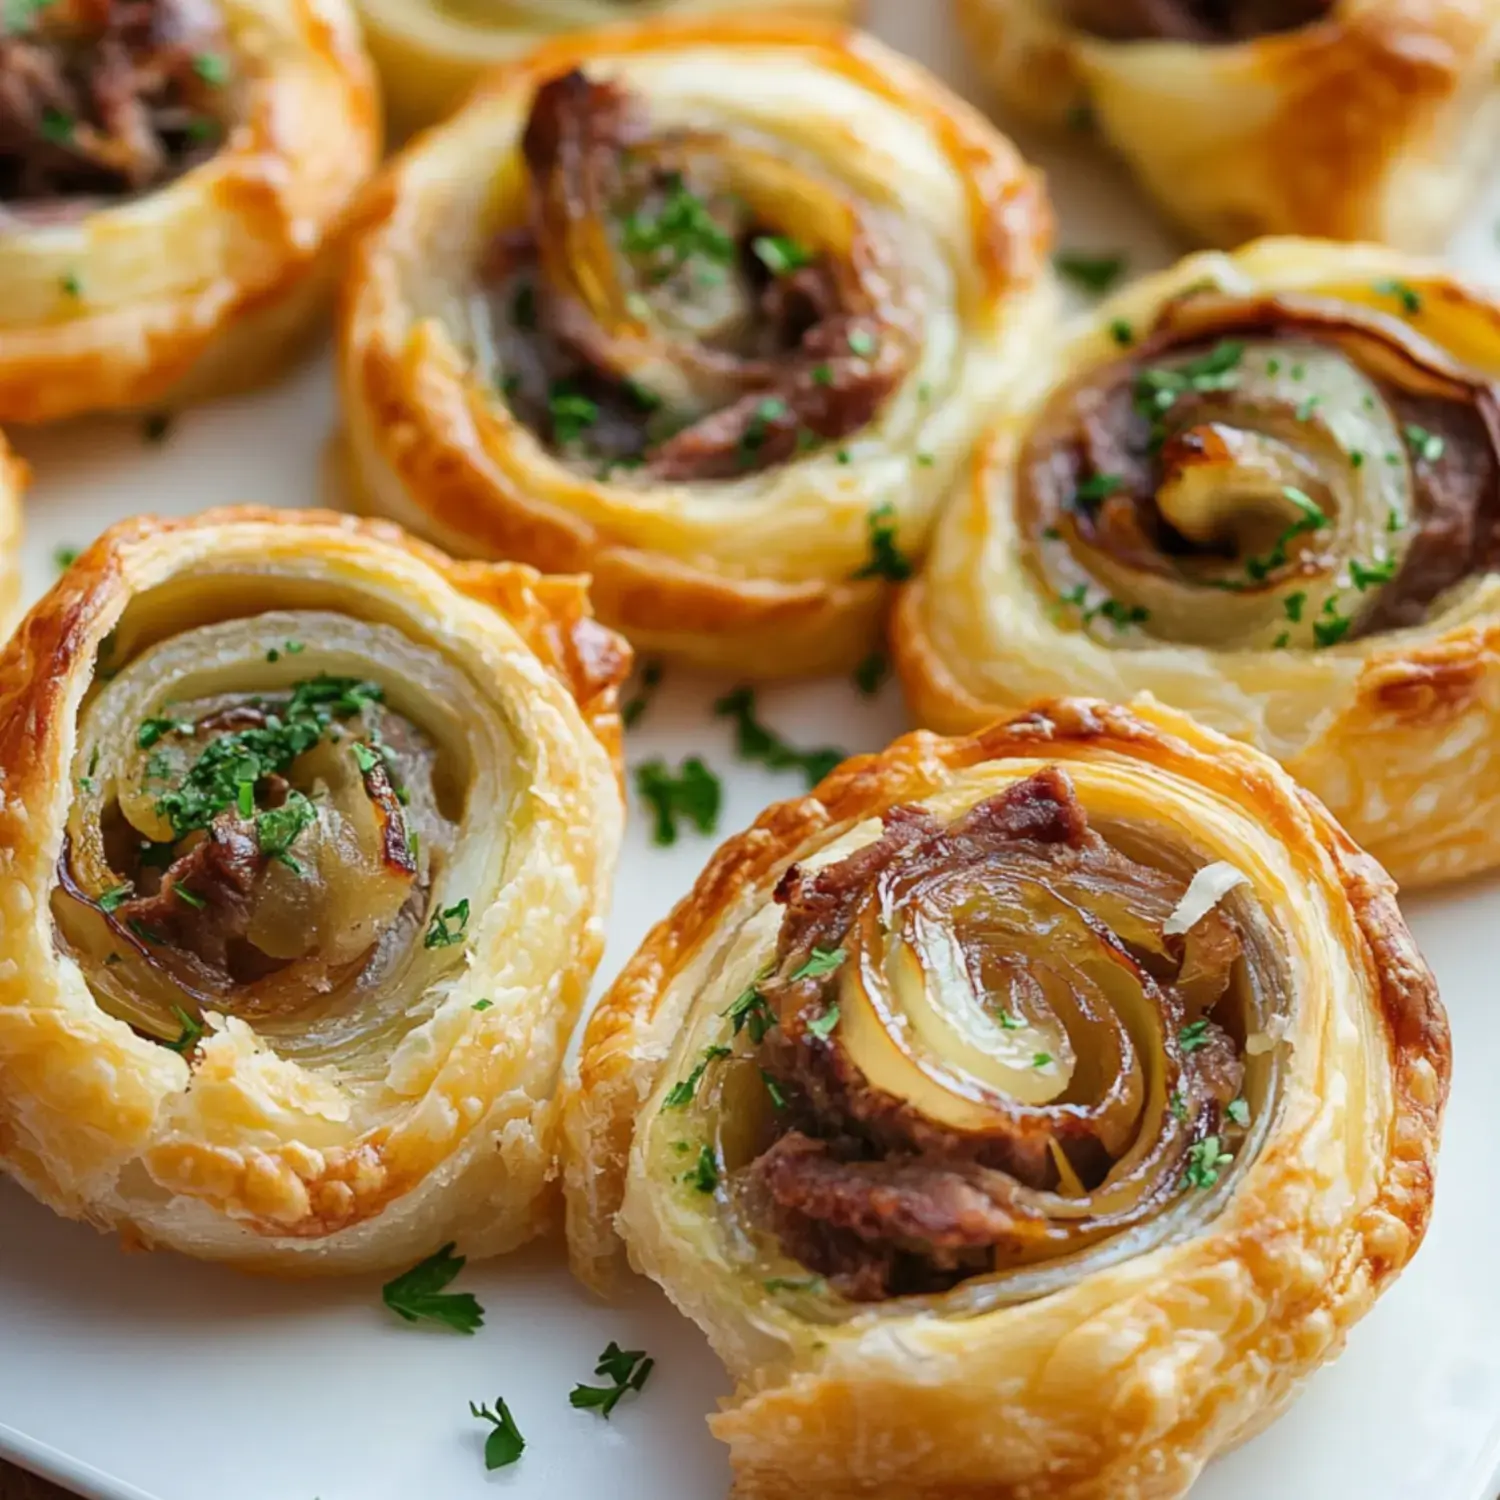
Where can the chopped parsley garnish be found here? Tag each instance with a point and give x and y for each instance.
(1366, 577)
(1311, 519)
(1122, 333)
(1404, 293)
(754, 742)
(56, 126)
(682, 1093)
(822, 375)
(115, 897)
(1428, 446)
(482, 1005)
(704, 1173)
(773, 1088)
(447, 926)
(1091, 273)
(1178, 1105)
(752, 1012)
(634, 707)
(190, 1035)
(1293, 604)
(505, 1444)
(1010, 1021)
(1307, 407)
(1041, 1060)
(681, 228)
(63, 558)
(825, 1025)
(795, 1284)
(152, 730)
(1096, 488)
(572, 414)
(1356, 459)
(691, 792)
(863, 343)
(824, 961)
(1331, 631)
(758, 428)
(887, 560)
(781, 255)
(626, 1369)
(1194, 1035)
(418, 1294)
(211, 68)
(1204, 1160)
(871, 674)
(191, 898)
(1238, 1112)
(366, 758)
(278, 828)
(230, 766)
(71, 284)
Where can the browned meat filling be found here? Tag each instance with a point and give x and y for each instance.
(1193, 20)
(102, 98)
(651, 316)
(1357, 474)
(1061, 934)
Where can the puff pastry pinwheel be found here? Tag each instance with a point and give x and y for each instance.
(430, 52)
(1352, 119)
(173, 178)
(305, 853)
(650, 308)
(1265, 488)
(1019, 1115)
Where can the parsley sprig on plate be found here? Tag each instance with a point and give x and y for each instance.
(417, 1295)
(626, 1369)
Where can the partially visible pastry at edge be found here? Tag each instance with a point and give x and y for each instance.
(1021, 1115)
(1265, 488)
(711, 311)
(1351, 119)
(430, 52)
(173, 177)
(305, 858)
(13, 476)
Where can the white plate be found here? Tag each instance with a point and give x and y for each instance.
(149, 1377)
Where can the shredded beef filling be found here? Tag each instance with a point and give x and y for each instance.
(1193, 20)
(1451, 443)
(105, 98)
(767, 349)
(860, 1186)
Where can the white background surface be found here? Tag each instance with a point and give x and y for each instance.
(153, 1376)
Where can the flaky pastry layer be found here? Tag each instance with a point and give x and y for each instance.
(430, 54)
(760, 573)
(1372, 124)
(441, 1130)
(211, 283)
(1394, 731)
(1123, 1383)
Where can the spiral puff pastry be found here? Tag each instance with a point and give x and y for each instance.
(1025, 1114)
(13, 475)
(1266, 489)
(430, 52)
(173, 177)
(306, 841)
(1353, 119)
(709, 311)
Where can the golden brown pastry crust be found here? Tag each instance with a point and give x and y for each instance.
(1371, 125)
(211, 283)
(233, 1151)
(759, 580)
(430, 54)
(13, 476)
(1123, 1384)
(1394, 730)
